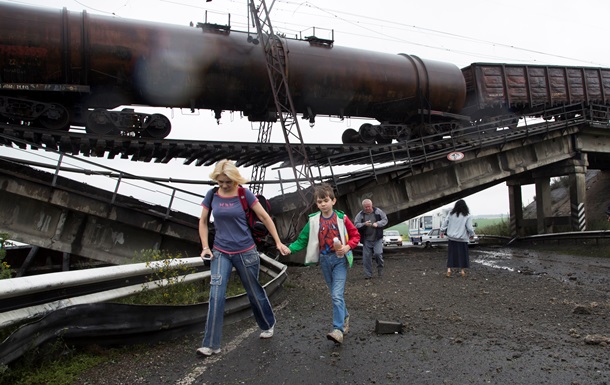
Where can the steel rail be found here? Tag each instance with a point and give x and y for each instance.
(572, 236)
(598, 236)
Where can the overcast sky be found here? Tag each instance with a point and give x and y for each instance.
(459, 32)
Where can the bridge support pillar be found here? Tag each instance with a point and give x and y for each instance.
(544, 206)
(515, 199)
(578, 193)
(577, 202)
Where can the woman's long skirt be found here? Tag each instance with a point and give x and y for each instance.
(458, 254)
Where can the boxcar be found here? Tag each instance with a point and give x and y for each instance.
(523, 89)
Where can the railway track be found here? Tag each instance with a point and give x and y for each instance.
(496, 133)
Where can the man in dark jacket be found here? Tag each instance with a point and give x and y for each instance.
(370, 222)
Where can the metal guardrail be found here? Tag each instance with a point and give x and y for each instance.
(52, 309)
(573, 236)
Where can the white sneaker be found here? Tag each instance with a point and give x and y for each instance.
(207, 351)
(267, 333)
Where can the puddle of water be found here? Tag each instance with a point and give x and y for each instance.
(494, 259)
(493, 264)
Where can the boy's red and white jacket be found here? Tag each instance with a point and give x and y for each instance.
(308, 237)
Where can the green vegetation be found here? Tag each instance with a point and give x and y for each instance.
(403, 229)
(55, 364)
(5, 268)
(493, 226)
(490, 226)
(168, 282)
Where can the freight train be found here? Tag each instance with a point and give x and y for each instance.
(62, 69)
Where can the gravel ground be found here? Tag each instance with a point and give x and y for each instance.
(519, 317)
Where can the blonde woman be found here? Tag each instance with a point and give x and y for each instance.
(233, 248)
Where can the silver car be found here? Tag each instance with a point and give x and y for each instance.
(392, 237)
(435, 237)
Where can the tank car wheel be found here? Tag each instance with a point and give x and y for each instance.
(156, 126)
(350, 136)
(384, 141)
(98, 122)
(404, 134)
(367, 133)
(55, 117)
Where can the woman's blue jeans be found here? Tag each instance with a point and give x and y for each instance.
(247, 265)
(334, 270)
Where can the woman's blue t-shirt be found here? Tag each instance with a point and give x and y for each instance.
(232, 232)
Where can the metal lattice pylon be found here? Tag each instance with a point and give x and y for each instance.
(258, 172)
(275, 58)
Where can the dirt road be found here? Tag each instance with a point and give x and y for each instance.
(519, 317)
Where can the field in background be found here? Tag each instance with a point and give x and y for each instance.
(481, 225)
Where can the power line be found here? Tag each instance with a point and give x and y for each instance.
(372, 27)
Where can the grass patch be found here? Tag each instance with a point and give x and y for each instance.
(54, 364)
(498, 226)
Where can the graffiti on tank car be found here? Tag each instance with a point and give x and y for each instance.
(21, 51)
(44, 87)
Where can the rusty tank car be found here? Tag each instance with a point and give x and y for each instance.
(62, 69)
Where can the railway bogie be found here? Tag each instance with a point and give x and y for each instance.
(127, 122)
(52, 116)
(383, 133)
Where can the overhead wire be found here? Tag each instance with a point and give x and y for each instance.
(373, 27)
(385, 22)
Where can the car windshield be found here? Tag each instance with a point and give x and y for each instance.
(391, 232)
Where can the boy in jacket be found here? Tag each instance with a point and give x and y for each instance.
(317, 236)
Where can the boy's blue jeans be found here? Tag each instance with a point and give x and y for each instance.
(334, 270)
(247, 265)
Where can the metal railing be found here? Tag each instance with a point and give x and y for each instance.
(75, 304)
(405, 155)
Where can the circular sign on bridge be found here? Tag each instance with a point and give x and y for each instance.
(455, 156)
